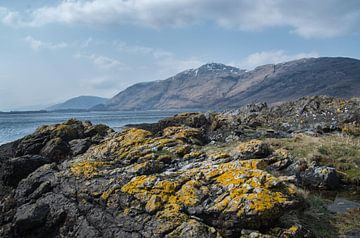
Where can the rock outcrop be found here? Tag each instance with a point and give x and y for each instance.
(192, 175)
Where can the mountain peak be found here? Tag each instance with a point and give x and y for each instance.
(217, 67)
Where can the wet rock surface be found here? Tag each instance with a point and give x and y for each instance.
(193, 175)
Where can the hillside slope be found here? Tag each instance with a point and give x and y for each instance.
(82, 102)
(217, 86)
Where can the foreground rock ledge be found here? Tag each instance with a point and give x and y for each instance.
(140, 185)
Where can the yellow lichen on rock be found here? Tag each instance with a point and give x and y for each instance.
(246, 189)
(134, 136)
(154, 204)
(87, 168)
(135, 144)
(187, 195)
(105, 195)
(246, 183)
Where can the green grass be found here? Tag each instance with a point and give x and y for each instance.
(338, 151)
(347, 222)
(320, 221)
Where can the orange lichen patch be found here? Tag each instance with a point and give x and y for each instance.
(138, 184)
(247, 184)
(252, 164)
(105, 195)
(134, 136)
(87, 168)
(130, 142)
(137, 144)
(264, 200)
(143, 187)
(188, 194)
(246, 189)
(164, 187)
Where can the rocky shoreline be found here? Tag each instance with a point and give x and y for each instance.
(251, 172)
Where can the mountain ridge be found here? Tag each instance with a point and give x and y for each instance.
(78, 103)
(218, 86)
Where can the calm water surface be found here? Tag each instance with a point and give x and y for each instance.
(15, 126)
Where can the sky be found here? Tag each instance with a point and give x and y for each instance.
(52, 50)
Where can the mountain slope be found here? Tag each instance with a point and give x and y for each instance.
(82, 103)
(338, 77)
(217, 86)
(195, 88)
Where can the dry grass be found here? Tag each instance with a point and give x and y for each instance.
(339, 151)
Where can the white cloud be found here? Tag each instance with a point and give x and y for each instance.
(8, 17)
(38, 44)
(102, 62)
(167, 62)
(307, 18)
(171, 65)
(271, 57)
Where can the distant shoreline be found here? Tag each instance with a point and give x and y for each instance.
(84, 110)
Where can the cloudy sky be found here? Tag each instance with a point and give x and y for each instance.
(52, 50)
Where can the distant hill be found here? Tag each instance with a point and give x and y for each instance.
(78, 103)
(217, 86)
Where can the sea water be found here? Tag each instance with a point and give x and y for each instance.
(17, 125)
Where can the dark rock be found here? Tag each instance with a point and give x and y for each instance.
(281, 164)
(53, 141)
(29, 217)
(37, 183)
(79, 146)
(56, 149)
(320, 177)
(342, 205)
(15, 169)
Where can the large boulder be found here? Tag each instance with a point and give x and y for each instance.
(15, 169)
(320, 177)
(53, 141)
